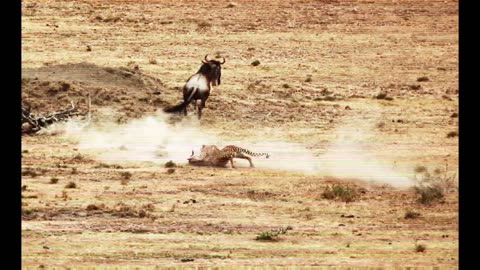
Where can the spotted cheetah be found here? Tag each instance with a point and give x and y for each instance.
(211, 155)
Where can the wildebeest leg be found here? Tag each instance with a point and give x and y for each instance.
(185, 110)
(242, 156)
(186, 105)
(194, 104)
(200, 107)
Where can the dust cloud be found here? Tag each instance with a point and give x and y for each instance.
(154, 139)
(148, 139)
(347, 157)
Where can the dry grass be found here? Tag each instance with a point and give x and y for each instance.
(71, 185)
(353, 50)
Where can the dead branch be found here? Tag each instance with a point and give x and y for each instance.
(31, 124)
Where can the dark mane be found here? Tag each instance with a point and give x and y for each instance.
(211, 70)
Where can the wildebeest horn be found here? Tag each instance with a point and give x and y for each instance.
(205, 60)
(223, 61)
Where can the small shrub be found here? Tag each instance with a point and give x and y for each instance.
(344, 194)
(266, 236)
(74, 171)
(420, 169)
(446, 97)
(30, 172)
(126, 175)
(92, 207)
(64, 195)
(452, 134)
(123, 210)
(411, 215)
(454, 115)
(381, 96)
(255, 63)
(204, 25)
(420, 248)
(148, 207)
(423, 79)
(71, 185)
(330, 98)
(384, 96)
(309, 79)
(286, 86)
(170, 170)
(328, 193)
(272, 235)
(380, 125)
(429, 194)
(124, 182)
(170, 164)
(78, 157)
(29, 213)
(108, 166)
(53, 180)
(152, 61)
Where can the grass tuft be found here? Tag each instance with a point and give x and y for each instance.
(71, 185)
(420, 248)
(272, 235)
(344, 194)
(255, 63)
(411, 215)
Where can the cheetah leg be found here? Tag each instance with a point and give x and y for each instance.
(242, 156)
(231, 162)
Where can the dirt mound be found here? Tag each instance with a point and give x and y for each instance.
(127, 90)
(91, 74)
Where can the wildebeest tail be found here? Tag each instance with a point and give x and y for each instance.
(176, 108)
(181, 106)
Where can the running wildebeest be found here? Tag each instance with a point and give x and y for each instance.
(199, 86)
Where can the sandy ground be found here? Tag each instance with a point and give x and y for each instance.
(311, 103)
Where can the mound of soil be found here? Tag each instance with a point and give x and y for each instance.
(129, 91)
(93, 75)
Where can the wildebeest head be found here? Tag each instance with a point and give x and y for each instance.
(192, 156)
(212, 69)
(195, 161)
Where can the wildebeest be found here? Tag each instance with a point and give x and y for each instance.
(199, 86)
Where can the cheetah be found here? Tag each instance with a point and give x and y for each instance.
(211, 155)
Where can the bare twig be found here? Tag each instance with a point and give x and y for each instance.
(35, 124)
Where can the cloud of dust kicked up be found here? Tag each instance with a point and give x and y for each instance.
(154, 139)
(147, 139)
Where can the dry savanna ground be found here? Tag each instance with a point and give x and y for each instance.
(385, 68)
